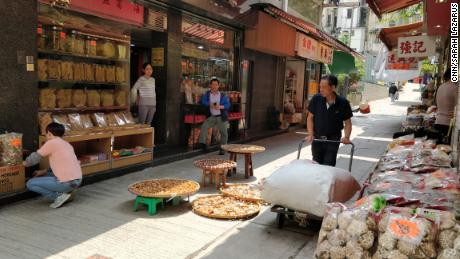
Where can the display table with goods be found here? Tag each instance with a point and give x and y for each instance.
(156, 191)
(103, 141)
(12, 173)
(215, 169)
(419, 118)
(409, 207)
(247, 151)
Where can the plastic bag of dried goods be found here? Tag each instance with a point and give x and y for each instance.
(75, 121)
(64, 98)
(121, 97)
(79, 98)
(11, 149)
(44, 120)
(128, 117)
(99, 119)
(94, 98)
(63, 120)
(86, 121)
(47, 98)
(107, 98)
(404, 234)
(346, 233)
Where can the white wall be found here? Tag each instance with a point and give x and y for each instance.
(357, 40)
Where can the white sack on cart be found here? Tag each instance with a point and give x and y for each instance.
(307, 187)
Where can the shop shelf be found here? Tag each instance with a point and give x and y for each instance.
(81, 82)
(61, 53)
(132, 160)
(95, 167)
(84, 109)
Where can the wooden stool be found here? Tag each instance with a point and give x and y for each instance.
(247, 150)
(215, 169)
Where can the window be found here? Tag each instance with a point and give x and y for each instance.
(328, 24)
(349, 13)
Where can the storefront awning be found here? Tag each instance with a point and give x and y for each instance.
(342, 63)
(389, 36)
(306, 27)
(438, 17)
(380, 7)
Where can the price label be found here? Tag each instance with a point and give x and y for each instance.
(40, 30)
(405, 228)
(92, 43)
(62, 34)
(16, 143)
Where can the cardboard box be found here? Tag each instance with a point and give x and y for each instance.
(12, 178)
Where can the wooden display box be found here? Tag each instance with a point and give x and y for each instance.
(87, 144)
(131, 139)
(12, 178)
(105, 142)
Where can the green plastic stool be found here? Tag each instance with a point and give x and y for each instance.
(150, 202)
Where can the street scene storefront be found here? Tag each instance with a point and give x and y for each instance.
(105, 104)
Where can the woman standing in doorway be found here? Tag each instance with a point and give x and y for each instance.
(143, 93)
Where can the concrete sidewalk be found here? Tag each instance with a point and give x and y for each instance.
(101, 221)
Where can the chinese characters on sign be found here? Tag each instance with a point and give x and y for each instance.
(306, 47)
(120, 10)
(417, 46)
(325, 54)
(395, 63)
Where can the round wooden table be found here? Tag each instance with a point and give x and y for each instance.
(247, 150)
(216, 169)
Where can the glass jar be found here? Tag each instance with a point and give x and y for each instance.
(70, 42)
(55, 38)
(41, 37)
(122, 50)
(79, 46)
(91, 46)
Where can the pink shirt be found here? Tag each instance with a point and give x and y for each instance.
(63, 160)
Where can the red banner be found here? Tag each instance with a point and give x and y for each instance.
(118, 10)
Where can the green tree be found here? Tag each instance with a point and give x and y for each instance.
(404, 14)
(345, 38)
(427, 67)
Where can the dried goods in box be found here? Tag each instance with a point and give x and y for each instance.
(75, 121)
(121, 97)
(99, 119)
(54, 69)
(110, 76)
(128, 117)
(47, 98)
(44, 120)
(120, 119)
(42, 69)
(94, 98)
(111, 120)
(79, 98)
(107, 98)
(64, 98)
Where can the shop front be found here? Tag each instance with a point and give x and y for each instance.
(83, 67)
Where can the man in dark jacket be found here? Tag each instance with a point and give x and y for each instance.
(392, 91)
(217, 105)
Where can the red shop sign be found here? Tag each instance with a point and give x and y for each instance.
(118, 10)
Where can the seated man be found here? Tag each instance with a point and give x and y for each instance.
(217, 105)
(65, 174)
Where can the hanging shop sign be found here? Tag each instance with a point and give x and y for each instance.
(395, 63)
(325, 54)
(306, 47)
(417, 47)
(119, 10)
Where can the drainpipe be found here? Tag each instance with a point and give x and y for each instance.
(285, 5)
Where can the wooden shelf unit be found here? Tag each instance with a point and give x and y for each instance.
(106, 142)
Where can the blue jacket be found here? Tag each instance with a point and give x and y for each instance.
(223, 101)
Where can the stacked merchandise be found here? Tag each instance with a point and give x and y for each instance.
(419, 117)
(409, 208)
(67, 98)
(77, 124)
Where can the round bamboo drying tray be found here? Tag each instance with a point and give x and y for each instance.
(253, 209)
(227, 192)
(243, 149)
(164, 188)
